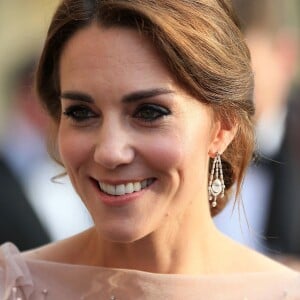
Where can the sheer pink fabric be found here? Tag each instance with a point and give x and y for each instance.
(41, 280)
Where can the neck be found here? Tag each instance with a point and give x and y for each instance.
(174, 248)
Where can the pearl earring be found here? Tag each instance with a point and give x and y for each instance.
(216, 184)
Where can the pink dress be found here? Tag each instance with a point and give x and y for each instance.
(42, 280)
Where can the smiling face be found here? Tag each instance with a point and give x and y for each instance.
(134, 144)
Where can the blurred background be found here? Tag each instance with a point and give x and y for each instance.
(33, 210)
(267, 217)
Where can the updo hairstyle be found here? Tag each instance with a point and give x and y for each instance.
(200, 42)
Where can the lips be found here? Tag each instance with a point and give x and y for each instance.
(126, 188)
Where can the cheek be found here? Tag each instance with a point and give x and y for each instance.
(164, 153)
(74, 148)
(181, 149)
(196, 147)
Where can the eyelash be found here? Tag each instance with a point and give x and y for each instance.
(81, 114)
(157, 112)
(76, 113)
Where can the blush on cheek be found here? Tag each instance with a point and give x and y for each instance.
(166, 153)
(73, 149)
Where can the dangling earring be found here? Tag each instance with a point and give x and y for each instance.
(216, 184)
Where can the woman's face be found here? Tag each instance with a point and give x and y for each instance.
(134, 144)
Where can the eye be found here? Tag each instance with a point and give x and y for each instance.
(79, 113)
(150, 112)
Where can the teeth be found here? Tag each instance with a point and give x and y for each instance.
(102, 186)
(137, 187)
(111, 189)
(144, 183)
(129, 188)
(122, 189)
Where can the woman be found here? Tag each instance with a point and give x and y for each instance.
(151, 103)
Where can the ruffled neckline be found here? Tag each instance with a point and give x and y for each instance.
(32, 275)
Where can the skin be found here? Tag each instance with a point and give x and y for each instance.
(166, 228)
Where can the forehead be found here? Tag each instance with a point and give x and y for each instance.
(106, 41)
(109, 63)
(112, 54)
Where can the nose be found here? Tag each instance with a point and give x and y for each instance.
(114, 146)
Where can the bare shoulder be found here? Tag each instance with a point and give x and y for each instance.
(252, 261)
(243, 259)
(256, 261)
(64, 251)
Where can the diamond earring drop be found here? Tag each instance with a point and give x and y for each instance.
(216, 184)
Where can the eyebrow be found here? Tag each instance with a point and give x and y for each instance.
(145, 94)
(76, 96)
(129, 98)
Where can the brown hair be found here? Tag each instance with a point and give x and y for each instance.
(200, 42)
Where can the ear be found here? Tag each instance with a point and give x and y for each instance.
(222, 135)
